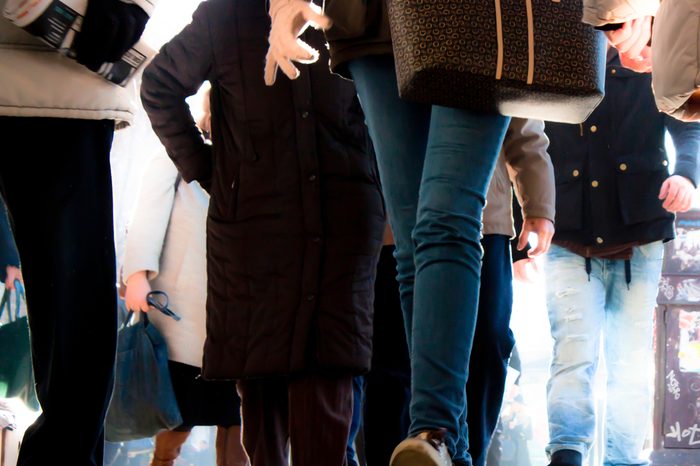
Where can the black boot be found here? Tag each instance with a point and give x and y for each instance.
(566, 458)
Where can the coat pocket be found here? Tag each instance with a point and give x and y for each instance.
(639, 181)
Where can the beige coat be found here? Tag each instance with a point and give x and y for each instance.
(525, 161)
(167, 237)
(35, 81)
(601, 12)
(676, 55)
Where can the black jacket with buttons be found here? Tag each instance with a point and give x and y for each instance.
(609, 170)
(296, 218)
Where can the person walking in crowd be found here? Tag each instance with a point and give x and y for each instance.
(295, 227)
(524, 154)
(615, 205)
(445, 154)
(59, 195)
(166, 250)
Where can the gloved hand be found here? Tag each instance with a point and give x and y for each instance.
(290, 18)
(109, 29)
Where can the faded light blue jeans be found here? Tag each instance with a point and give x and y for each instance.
(581, 311)
(435, 165)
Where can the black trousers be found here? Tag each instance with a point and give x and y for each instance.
(493, 343)
(388, 384)
(308, 414)
(56, 182)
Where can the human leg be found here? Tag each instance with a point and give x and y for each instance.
(629, 356)
(168, 445)
(58, 191)
(265, 413)
(493, 343)
(320, 414)
(576, 304)
(443, 245)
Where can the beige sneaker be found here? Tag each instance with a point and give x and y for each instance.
(425, 449)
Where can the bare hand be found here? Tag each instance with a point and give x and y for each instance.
(13, 273)
(677, 193)
(631, 41)
(290, 18)
(640, 64)
(137, 289)
(526, 270)
(543, 228)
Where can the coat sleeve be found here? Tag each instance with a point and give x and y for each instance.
(686, 140)
(176, 73)
(676, 52)
(530, 167)
(602, 12)
(149, 225)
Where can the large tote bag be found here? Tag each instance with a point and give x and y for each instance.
(523, 58)
(144, 401)
(16, 374)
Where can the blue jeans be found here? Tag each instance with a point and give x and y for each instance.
(435, 165)
(358, 390)
(580, 312)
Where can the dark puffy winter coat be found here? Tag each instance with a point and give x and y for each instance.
(296, 216)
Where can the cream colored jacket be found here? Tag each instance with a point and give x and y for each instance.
(524, 161)
(167, 238)
(601, 12)
(676, 55)
(35, 81)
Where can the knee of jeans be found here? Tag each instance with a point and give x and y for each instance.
(448, 232)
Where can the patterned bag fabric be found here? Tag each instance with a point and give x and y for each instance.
(523, 58)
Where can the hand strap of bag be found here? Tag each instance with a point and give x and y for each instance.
(5, 302)
(159, 300)
(156, 299)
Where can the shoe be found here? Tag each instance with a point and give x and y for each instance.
(566, 458)
(425, 449)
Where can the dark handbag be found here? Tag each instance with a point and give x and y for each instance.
(523, 58)
(16, 374)
(144, 401)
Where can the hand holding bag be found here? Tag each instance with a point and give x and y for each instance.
(144, 401)
(522, 58)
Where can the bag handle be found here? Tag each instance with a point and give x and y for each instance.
(5, 302)
(155, 299)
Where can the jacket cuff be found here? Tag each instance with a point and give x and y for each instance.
(687, 170)
(601, 12)
(539, 212)
(150, 265)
